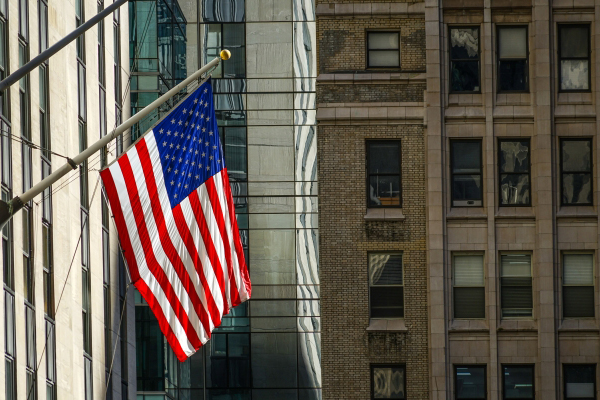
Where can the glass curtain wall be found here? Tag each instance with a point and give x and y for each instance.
(268, 348)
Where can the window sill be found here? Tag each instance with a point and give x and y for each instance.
(521, 325)
(387, 325)
(508, 212)
(577, 211)
(384, 214)
(466, 213)
(469, 325)
(578, 325)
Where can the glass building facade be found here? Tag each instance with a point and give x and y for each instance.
(269, 347)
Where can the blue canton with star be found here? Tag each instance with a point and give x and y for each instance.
(189, 145)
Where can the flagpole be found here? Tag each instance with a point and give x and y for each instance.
(7, 210)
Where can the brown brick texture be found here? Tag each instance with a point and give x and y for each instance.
(342, 42)
(346, 238)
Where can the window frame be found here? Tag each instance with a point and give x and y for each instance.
(368, 143)
(367, 50)
(565, 381)
(484, 366)
(386, 365)
(471, 253)
(401, 253)
(532, 366)
(452, 174)
(588, 58)
(450, 59)
(500, 173)
(498, 59)
(562, 284)
(591, 171)
(509, 253)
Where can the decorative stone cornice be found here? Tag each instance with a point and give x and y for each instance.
(370, 9)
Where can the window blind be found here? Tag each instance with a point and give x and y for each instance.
(468, 270)
(578, 269)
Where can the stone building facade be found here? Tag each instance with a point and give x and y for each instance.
(370, 97)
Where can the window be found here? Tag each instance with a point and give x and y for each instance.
(4, 64)
(23, 15)
(386, 286)
(226, 36)
(7, 250)
(81, 90)
(470, 382)
(80, 41)
(88, 377)
(518, 382)
(580, 381)
(574, 56)
(466, 170)
(512, 59)
(469, 286)
(106, 279)
(9, 346)
(43, 24)
(516, 294)
(30, 348)
(576, 171)
(383, 174)
(578, 285)
(388, 381)
(228, 362)
(383, 49)
(28, 275)
(515, 179)
(464, 59)
(50, 361)
(85, 283)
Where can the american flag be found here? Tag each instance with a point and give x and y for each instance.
(174, 212)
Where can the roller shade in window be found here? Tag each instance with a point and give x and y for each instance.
(469, 288)
(516, 292)
(578, 285)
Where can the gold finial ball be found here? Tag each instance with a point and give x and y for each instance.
(225, 54)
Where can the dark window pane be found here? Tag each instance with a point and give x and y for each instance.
(464, 76)
(518, 382)
(516, 297)
(580, 381)
(574, 41)
(514, 156)
(464, 43)
(274, 360)
(576, 155)
(239, 360)
(515, 189)
(469, 302)
(578, 301)
(387, 301)
(384, 190)
(385, 269)
(574, 75)
(470, 383)
(577, 189)
(384, 158)
(466, 157)
(388, 383)
(467, 187)
(9, 379)
(513, 75)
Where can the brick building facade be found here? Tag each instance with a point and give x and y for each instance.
(360, 106)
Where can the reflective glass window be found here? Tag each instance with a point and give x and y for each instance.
(580, 381)
(516, 295)
(576, 171)
(468, 286)
(466, 169)
(464, 59)
(513, 59)
(384, 174)
(217, 37)
(388, 381)
(23, 15)
(518, 382)
(470, 382)
(574, 57)
(383, 49)
(386, 285)
(578, 285)
(10, 376)
(515, 175)
(43, 24)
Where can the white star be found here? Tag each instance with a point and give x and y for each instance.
(179, 185)
(197, 113)
(171, 146)
(179, 123)
(218, 161)
(208, 118)
(193, 125)
(172, 183)
(187, 161)
(173, 121)
(195, 101)
(193, 163)
(203, 129)
(184, 148)
(167, 157)
(173, 158)
(201, 102)
(197, 176)
(176, 134)
(190, 175)
(178, 147)
(186, 123)
(208, 167)
(176, 171)
(184, 110)
(205, 90)
(210, 133)
(203, 154)
(211, 157)
(161, 131)
(164, 144)
(186, 186)
(206, 144)
(191, 112)
(201, 115)
(175, 196)
(214, 147)
(168, 133)
(198, 126)
(205, 105)
(180, 160)
(199, 165)
(169, 169)
(196, 152)
(188, 137)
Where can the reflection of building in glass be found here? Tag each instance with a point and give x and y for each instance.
(157, 41)
(268, 348)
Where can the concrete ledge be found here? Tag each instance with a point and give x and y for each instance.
(511, 4)
(371, 112)
(371, 9)
(384, 214)
(462, 4)
(578, 325)
(470, 325)
(387, 325)
(369, 77)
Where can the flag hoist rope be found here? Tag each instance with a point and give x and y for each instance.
(7, 210)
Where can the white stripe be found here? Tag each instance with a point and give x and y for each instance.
(215, 234)
(144, 272)
(155, 240)
(218, 179)
(174, 234)
(209, 273)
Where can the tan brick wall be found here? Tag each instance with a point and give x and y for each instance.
(345, 239)
(342, 47)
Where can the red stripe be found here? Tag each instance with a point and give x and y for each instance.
(210, 247)
(115, 205)
(236, 237)
(151, 261)
(192, 249)
(218, 212)
(164, 237)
